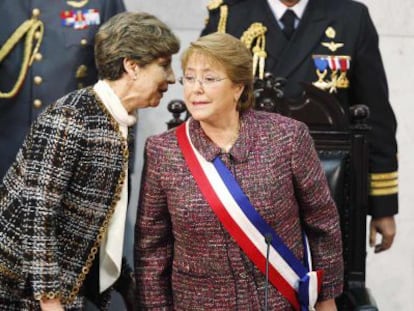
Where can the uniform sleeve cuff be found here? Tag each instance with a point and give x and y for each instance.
(383, 205)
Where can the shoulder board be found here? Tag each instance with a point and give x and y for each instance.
(215, 4)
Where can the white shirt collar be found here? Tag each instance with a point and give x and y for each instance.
(113, 104)
(279, 8)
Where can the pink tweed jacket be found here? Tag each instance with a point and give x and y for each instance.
(186, 260)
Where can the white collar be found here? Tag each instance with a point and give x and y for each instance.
(113, 104)
(279, 8)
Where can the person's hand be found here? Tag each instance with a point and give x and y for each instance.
(326, 305)
(384, 226)
(51, 305)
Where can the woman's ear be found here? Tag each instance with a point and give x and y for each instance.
(131, 68)
(239, 88)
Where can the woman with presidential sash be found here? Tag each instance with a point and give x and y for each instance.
(235, 212)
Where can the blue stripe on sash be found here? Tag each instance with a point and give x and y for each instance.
(256, 219)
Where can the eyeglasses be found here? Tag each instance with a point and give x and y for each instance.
(204, 81)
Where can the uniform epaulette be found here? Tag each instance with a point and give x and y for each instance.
(223, 6)
(215, 4)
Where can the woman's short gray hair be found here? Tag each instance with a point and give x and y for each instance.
(141, 37)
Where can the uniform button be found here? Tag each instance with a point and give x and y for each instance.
(37, 80)
(37, 103)
(36, 12)
(243, 275)
(38, 57)
(84, 42)
(37, 35)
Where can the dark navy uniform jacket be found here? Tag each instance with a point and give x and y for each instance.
(64, 62)
(293, 59)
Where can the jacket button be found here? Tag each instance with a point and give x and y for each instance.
(84, 42)
(37, 35)
(37, 103)
(37, 80)
(35, 12)
(38, 57)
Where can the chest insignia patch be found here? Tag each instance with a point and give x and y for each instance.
(80, 19)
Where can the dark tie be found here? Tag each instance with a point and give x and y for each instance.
(288, 21)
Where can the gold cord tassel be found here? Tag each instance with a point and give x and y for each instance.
(256, 32)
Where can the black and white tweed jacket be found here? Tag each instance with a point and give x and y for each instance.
(58, 197)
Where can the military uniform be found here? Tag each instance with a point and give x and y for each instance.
(335, 46)
(50, 54)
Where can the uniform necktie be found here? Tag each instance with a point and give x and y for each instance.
(288, 21)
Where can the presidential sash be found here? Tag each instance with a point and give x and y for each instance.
(297, 283)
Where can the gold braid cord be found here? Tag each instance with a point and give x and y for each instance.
(256, 34)
(214, 4)
(28, 28)
(224, 13)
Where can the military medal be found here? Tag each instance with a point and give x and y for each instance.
(344, 65)
(321, 65)
(80, 19)
(338, 64)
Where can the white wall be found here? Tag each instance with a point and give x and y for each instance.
(390, 275)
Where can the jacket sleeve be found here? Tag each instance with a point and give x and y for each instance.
(50, 155)
(318, 212)
(369, 87)
(153, 238)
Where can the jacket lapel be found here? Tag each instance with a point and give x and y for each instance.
(308, 35)
(276, 40)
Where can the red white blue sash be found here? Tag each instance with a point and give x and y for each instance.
(297, 283)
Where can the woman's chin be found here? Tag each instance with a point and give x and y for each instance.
(198, 116)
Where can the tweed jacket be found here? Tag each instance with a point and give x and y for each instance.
(343, 22)
(65, 62)
(186, 260)
(58, 197)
